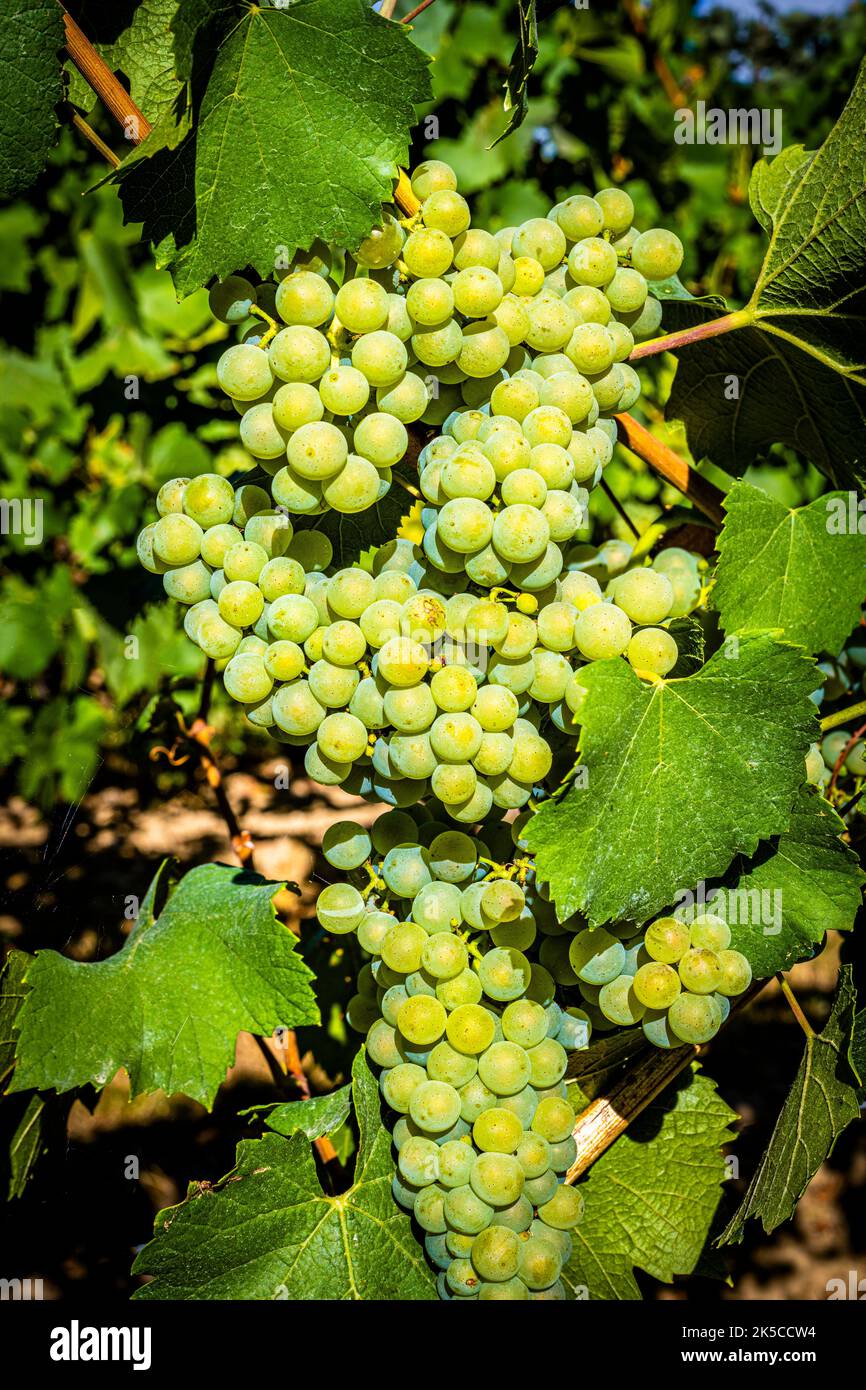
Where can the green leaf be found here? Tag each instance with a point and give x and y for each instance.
(270, 163)
(169, 1006)
(821, 1104)
(26, 1146)
(19, 224)
(12, 992)
(144, 53)
(680, 777)
(795, 570)
(31, 84)
(315, 1117)
(267, 1231)
(808, 883)
(521, 65)
(353, 533)
(651, 1197)
(799, 358)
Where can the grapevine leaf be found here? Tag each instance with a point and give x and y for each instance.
(798, 357)
(821, 1104)
(521, 65)
(145, 54)
(169, 1006)
(680, 777)
(351, 534)
(801, 570)
(31, 83)
(651, 1197)
(807, 883)
(12, 992)
(27, 1145)
(268, 1231)
(268, 165)
(315, 1117)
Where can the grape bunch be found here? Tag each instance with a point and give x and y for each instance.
(428, 316)
(471, 1046)
(675, 979)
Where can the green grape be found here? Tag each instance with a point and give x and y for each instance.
(170, 496)
(427, 253)
(296, 709)
(520, 533)
(620, 1003)
(533, 1154)
(553, 1120)
(356, 487)
(617, 209)
(547, 424)
(399, 1084)
(700, 971)
(467, 1212)
(231, 299)
(514, 399)
(551, 323)
(484, 350)
(580, 217)
(176, 539)
(244, 560)
(405, 400)
(504, 974)
(382, 1046)
(467, 475)
(646, 324)
(456, 737)
(344, 643)
(454, 784)
(548, 1060)
(418, 1159)
(430, 301)
(429, 1209)
(552, 673)
(453, 689)
(476, 247)
(271, 530)
(284, 661)
(381, 438)
(246, 678)
(453, 856)
(343, 390)
(709, 932)
(260, 434)
(455, 1163)
(380, 356)
(189, 583)
(495, 708)
(477, 292)
(217, 638)
(438, 345)
(304, 298)
(656, 985)
(340, 908)
(525, 486)
(411, 756)
(627, 291)
(657, 254)
(434, 1105)
(421, 1020)
(667, 940)
(592, 261)
(504, 1068)
(346, 844)
(736, 973)
(694, 1018)
(362, 305)
(297, 494)
(299, 353)
(596, 956)
(497, 1179)
(341, 737)
(470, 1029)
(446, 1064)
(564, 1210)
(244, 372)
(644, 595)
(494, 756)
(392, 829)
(502, 901)
(317, 451)
(497, 1130)
(524, 1022)
(602, 631)
(528, 276)
(444, 956)
(542, 239)
(292, 617)
(295, 404)
(383, 245)
(495, 1257)
(406, 870)
(654, 650)
(241, 603)
(374, 929)
(540, 1190)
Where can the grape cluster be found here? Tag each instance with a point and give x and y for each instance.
(823, 759)
(431, 315)
(676, 979)
(471, 1045)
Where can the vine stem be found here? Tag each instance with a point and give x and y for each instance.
(714, 328)
(832, 721)
(705, 495)
(413, 14)
(609, 1115)
(794, 1006)
(98, 75)
(96, 140)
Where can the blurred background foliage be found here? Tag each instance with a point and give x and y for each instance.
(107, 382)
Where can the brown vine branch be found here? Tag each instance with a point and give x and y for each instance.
(96, 140)
(413, 14)
(609, 1115)
(706, 496)
(98, 76)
